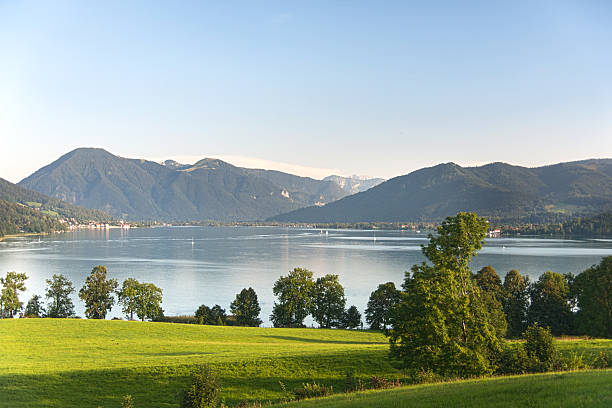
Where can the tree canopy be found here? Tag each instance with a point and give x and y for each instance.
(97, 293)
(441, 324)
(246, 309)
(59, 289)
(294, 293)
(328, 302)
(12, 284)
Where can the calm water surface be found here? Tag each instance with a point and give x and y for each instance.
(206, 265)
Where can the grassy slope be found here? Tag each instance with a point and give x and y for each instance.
(85, 363)
(591, 389)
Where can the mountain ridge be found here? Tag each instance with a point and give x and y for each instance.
(496, 190)
(209, 189)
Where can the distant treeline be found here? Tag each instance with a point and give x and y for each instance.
(596, 225)
(16, 218)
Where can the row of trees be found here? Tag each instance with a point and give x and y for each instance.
(451, 322)
(299, 295)
(98, 293)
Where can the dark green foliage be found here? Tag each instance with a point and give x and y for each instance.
(16, 218)
(207, 190)
(12, 284)
(498, 191)
(328, 302)
(516, 302)
(127, 297)
(489, 281)
(34, 308)
(59, 289)
(312, 390)
(97, 293)
(202, 315)
(177, 319)
(294, 293)
(550, 303)
(593, 291)
(441, 324)
(246, 309)
(491, 292)
(148, 301)
(214, 316)
(513, 359)
(352, 318)
(381, 303)
(204, 390)
(141, 299)
(540, 348)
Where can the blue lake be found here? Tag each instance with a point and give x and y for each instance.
(209, 265)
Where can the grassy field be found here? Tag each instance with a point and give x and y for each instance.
(86, 363)
(591, 389)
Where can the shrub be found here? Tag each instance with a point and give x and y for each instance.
(128, 402)
(383, 383)
(313, 390)
(574, 361)
(540, 348)
(513, 359)
(176, 319)
(203, 391)
(601, 361)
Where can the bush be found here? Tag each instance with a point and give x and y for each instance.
(574, 361)
(540, 348)
(313, 390)
(513, 359)
(601, 361)
(204, 390)
(128, 402)
(176, 319)
(379, 383)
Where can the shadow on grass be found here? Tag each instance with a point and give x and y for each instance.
(323, 341)
(161, 386)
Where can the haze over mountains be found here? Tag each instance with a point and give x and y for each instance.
(497, 190)
(210, 189)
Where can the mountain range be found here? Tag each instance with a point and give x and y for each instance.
(210, 189)
(498, 191)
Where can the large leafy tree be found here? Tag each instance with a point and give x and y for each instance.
(381, 303)
(441, 324)
(97, 293)
(551, 303)
(492, 295)
(328, 302)
(12, 284)
(246, 309)
(127, 297)
(59, 289)
(516, 302)
(148, 301)
(593, 291)
(294, 293)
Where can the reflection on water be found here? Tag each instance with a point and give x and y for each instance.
(196, 265)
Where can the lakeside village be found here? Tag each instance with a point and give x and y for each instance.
(72, 225)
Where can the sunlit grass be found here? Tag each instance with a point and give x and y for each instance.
(87, 363)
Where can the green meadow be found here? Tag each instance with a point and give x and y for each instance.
(591, 389)
(94, 363)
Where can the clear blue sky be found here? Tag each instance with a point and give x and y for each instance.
(377, 88)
